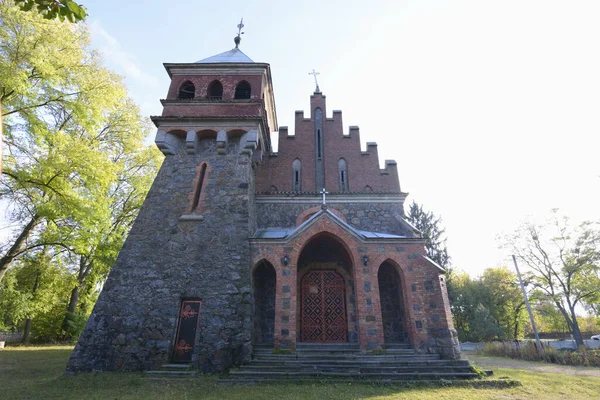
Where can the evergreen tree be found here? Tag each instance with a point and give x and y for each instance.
(430, 227)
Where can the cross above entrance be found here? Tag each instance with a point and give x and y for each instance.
(324, 192)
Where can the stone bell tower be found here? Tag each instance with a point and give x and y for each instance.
(184, 264)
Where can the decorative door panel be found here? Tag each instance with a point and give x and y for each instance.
(323, 307)
(186, 330)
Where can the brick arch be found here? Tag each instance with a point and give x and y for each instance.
(186, 90)
(206, 134)
(180, 133)
(264, 284)
(306, 214)
(265, 257)
(236, 132)
(345, 270)
(405, 294)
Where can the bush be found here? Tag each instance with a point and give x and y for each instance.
(528, 351)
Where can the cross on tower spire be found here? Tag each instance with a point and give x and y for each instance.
(238, 38)
(317, 90)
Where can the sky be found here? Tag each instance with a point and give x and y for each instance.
(490, 108)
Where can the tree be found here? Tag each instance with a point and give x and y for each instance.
(33, 291)
(96, 244)
(49, 9)
(505, 301)
(52, 9)
(71, 134)
(495, 297)
(430, 226)
(563, 264)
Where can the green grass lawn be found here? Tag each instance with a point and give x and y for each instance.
(37, 373)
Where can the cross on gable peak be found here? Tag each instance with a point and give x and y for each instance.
(324, 193)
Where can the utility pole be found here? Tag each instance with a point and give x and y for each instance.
(535, 332)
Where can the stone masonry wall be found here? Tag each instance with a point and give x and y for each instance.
(166, 259)
(375, 217)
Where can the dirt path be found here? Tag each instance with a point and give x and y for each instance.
(484, 361)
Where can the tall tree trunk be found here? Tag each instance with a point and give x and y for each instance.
(29, 321)
(18, 245)
(27, 330)
(74, 299)
(576, 331)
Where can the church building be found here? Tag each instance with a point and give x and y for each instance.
(239, 246)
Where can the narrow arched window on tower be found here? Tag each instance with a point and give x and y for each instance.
(215, 90)
(297, 175)
(319, 150)
(242, 90)
(199, 186)
(343, 175)
(187, 90)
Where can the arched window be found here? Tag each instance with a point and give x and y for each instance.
(187, 90)
(242, 90)
(215, 90)
(198, 191)
(297, 175)
(343, 175)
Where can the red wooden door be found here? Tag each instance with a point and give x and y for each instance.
(186, 330)
(323, 307)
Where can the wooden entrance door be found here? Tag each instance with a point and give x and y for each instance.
(186, 330)
(323, 307)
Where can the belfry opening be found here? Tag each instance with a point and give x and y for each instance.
(326, 301)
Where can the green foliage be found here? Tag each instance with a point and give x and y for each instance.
(73, 325)
(483, 325)
(52, 9)
(75, 171)
(489, 307)
(430, 227)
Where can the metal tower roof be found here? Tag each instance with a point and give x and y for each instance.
(234, 55)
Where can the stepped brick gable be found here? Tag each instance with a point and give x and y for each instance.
(239, 248)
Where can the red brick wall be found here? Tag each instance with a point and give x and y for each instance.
(363, 168)
(428, 293)
(229, 83)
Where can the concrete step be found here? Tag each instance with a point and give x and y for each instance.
(397, 346)
(334, 346)
(176, 367)
(358, 363)
(312, 357)
(357, 375)
(170, 373)
(359, 368)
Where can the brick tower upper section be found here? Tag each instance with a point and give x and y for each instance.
(227, 93)
(319, 155)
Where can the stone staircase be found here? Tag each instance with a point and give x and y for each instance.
(171, 371)
(344, 363)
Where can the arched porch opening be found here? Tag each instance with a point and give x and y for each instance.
(392, 304)
(326, 303)
(265, 279)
